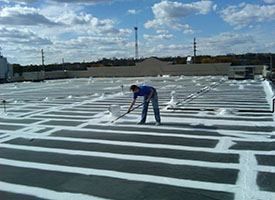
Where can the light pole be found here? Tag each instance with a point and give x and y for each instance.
(270, 55)
(42, 57)
(271, 69)
(195, 50)
(4, 103)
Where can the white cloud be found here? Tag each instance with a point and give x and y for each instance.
(67, 20)
(81, 1)
(22, 46)
(88, 48)
(169, 13)
(91, 41)
(26, 37)
(189, 31)
(21, 1)
(157, 37)
(19, 15)
(215, 7)
(53, 10)
(244, 14)
(23, 54)
(161, 50)
(70, 34)
(133, 12)
(74, 50)
(162, 31)
(59, 1)
(269, 1)
(225, 43)
(86, 23)
(81, 23)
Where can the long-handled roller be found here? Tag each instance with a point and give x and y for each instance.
(127, 112)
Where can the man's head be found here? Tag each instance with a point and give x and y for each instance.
(134, 88)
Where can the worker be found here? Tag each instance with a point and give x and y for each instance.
(149, 93)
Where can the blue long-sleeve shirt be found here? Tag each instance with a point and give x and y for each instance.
(143, 91)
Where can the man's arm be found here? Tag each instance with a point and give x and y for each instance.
(131, 105)
(150, 95)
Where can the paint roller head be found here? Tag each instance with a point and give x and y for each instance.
(170, 107)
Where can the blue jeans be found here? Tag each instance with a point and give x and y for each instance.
(154, 100)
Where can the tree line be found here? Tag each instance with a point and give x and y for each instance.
(241, 59)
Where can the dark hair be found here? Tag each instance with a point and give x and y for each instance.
(133, 87)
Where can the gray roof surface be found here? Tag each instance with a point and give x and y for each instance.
(57, 141)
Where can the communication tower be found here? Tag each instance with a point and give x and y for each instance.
(195, 50)
(136, 46)
(42, 56)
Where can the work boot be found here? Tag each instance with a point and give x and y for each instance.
(157, 124)
(139, 123)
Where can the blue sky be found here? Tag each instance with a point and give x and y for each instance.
(88, 30)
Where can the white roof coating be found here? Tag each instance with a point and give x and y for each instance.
(58, 140)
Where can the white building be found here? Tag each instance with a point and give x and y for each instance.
(5, 69)
(189, 60)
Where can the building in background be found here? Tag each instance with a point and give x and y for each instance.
(189, 60)
(5, 69)
(245, 72)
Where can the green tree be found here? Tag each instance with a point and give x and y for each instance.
(17, 69)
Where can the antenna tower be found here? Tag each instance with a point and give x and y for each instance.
(42, 56)
(195, 50)
(136, 36)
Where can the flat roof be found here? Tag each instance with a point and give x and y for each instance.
(216, 141)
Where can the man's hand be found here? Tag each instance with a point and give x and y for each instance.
(131, 106)
(148, 100)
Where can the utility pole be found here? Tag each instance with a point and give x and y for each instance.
(271, 67)
(195, 50)
(63, 64)
(136, 37)
(42, 56)
(4, 103)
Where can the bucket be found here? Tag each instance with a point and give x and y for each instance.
(114, 110)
